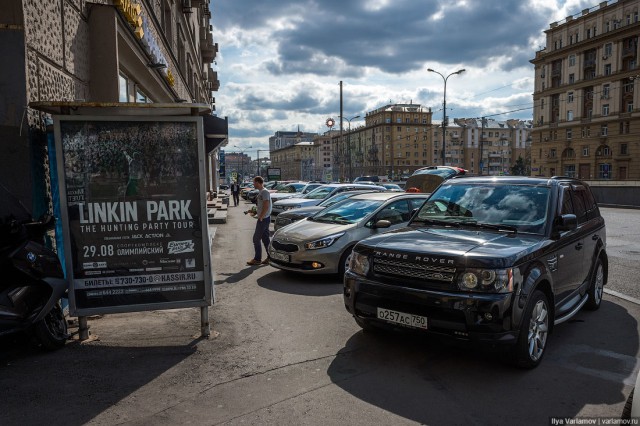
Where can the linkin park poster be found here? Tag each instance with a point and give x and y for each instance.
(136, 234)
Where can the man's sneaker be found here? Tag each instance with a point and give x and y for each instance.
(253, 262)
(265, 262)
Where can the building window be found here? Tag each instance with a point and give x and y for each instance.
(569, 97)
(604, 130)
(604, 171)
(607, 69)
(605, 91)
(572, 60)
(572, 78)
(123, 82)
(141, 97)
(570, 115)
(629, 106)
(552, 153)
(570, 170)
(585, 150)
(569, 134)
(605, 109)
(624, 149)
(608, 49)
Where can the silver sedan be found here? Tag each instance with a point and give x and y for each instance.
(322, 243)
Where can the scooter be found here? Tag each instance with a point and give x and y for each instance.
(31, 279)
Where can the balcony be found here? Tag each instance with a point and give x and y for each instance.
(213, 82)
(629, 52)
(208, 51)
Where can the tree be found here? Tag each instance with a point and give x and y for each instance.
(519, 168)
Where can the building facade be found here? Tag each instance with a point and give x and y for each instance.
(586, 100)
(98, 51)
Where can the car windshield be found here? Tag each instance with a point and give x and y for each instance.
(319, 193)
(521, 208)
(334, 199)
(347, 212)
(289, 188)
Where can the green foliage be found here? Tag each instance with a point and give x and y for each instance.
(519, 169)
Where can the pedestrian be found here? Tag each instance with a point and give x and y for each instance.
(235, 192)
(263, 213)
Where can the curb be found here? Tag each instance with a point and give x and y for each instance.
(622, 296)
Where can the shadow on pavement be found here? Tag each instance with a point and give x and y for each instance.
(434, 381)
(75, 384)
(303, 285)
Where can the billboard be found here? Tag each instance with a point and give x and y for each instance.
(134, 213)
(273, 173)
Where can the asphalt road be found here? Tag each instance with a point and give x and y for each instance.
(286, 352)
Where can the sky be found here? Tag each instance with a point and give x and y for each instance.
(280, 62)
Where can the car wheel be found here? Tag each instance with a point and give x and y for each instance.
(626, 411)
(532, 341)
(596, 288)
(52, 330)
(344, 262)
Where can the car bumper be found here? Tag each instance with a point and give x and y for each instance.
(302, 260)
(459, 315)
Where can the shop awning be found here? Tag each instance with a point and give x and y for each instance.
(216, 131)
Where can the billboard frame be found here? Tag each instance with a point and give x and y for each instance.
(209, 292)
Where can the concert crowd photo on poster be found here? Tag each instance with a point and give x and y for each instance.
(136, 235)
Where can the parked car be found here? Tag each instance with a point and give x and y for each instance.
(294, 215)
(427, 179)
(392, 187)
(245, 188)
(366, 179)
(322, 243)
(271, 186)
(489, 259)
(314, 197)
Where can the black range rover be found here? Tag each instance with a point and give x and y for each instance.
(491, 259)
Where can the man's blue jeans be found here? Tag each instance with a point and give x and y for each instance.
(261, 234)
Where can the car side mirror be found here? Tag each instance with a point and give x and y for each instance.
(382, 223)
(566, 222)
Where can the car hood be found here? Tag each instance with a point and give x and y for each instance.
(302, 211)
(305, 230)
(473, 248)
(296, 201)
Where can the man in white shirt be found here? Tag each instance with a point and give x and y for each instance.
(263, 213)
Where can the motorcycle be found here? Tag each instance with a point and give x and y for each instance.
(31, 277)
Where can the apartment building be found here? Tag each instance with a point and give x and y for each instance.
(103, 51)
(586, 101)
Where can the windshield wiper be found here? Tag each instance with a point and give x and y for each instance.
(475, 224)
(437, 222)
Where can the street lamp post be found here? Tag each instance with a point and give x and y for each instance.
(444, 107)
(349, 142)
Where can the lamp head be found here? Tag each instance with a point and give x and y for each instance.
(431, 70)
(460, 71)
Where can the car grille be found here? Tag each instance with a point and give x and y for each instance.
(410, 270)
(288, 248)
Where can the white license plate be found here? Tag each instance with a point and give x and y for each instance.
(402, 318)
(280, 256)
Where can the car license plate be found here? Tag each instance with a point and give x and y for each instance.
(402, 318)
(280, 256)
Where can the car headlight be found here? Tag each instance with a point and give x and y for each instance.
(490, 280)
(290, 207)
(359, 264)
(323, 242)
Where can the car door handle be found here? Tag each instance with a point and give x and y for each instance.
(595, 237)
(579, 246)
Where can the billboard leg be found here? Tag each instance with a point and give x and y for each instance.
(205, 329)
(83, 328)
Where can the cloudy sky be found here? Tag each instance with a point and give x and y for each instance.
(281, 61)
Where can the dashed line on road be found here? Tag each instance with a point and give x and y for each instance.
(622, 296)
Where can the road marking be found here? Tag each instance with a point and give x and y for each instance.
(622, 296)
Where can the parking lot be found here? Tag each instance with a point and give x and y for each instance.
(285, 351)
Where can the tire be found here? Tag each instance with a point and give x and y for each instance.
(344, 262)
(52, 330)
(534, 332)
(367, 326)
(596, 288)
(626, 411)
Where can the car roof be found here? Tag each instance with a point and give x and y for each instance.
(386, 195)
(514, 180)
